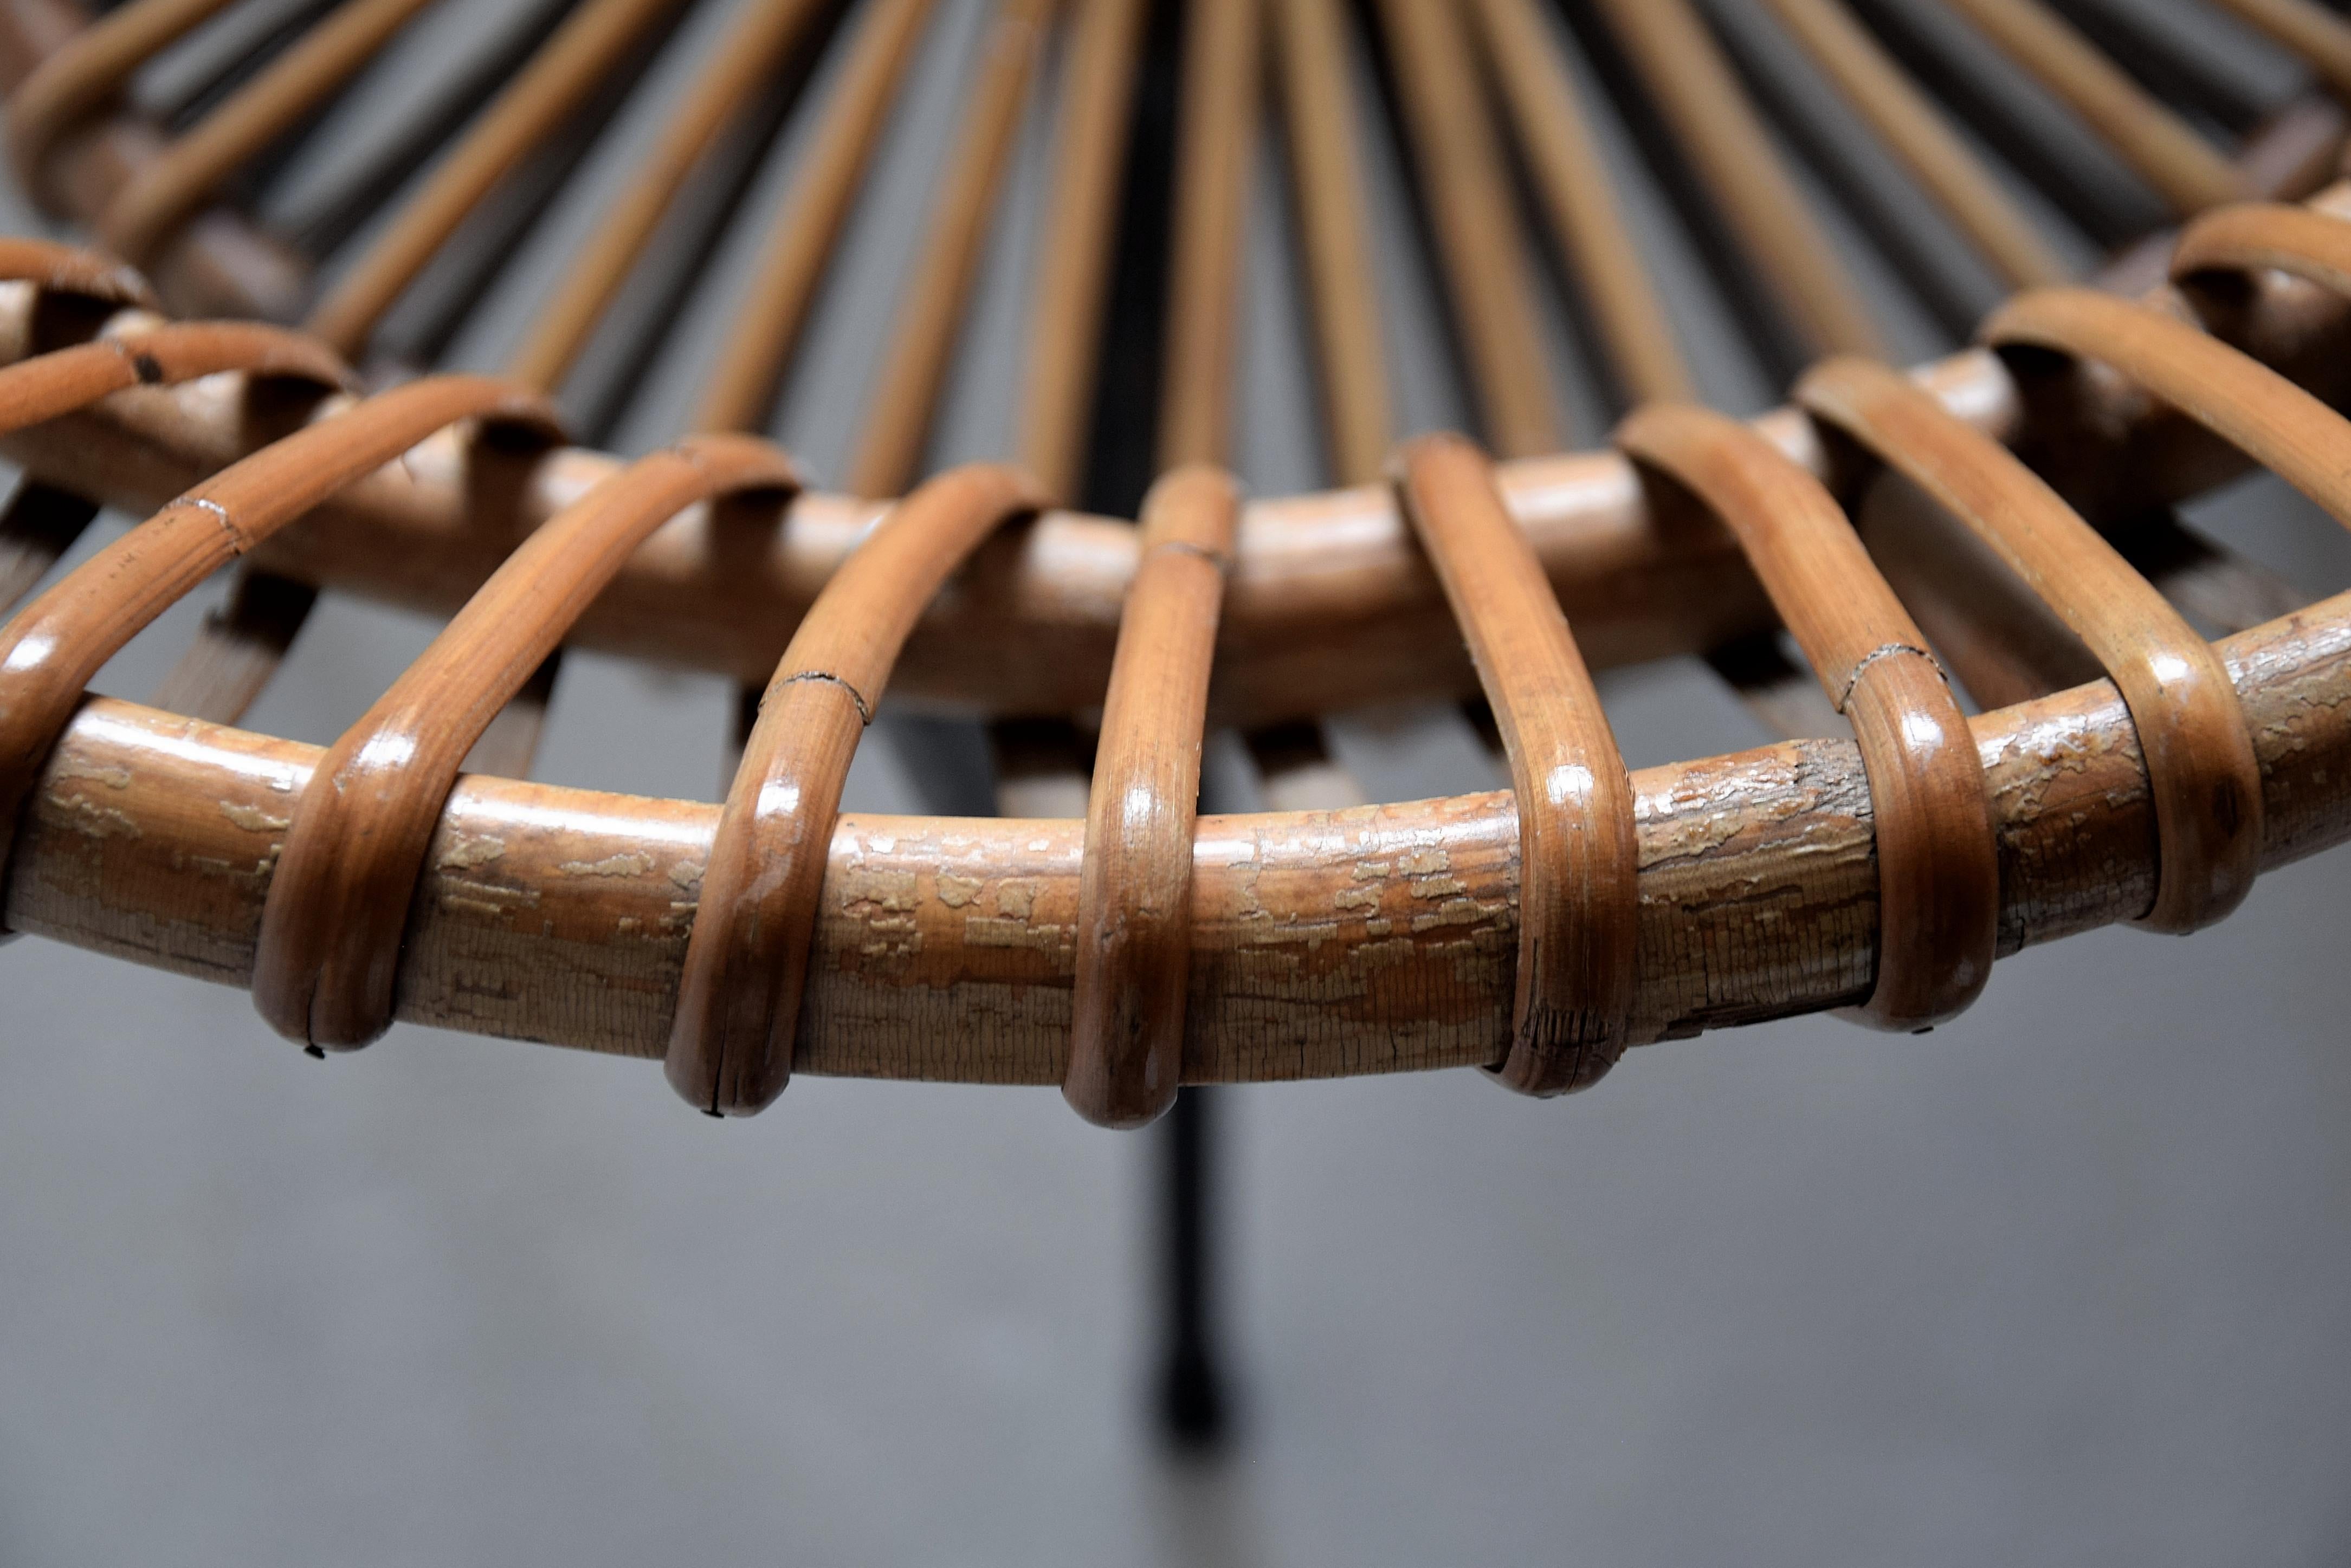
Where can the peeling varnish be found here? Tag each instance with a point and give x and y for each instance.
(1458, 912)
(1307, 931)
(625, 866)
(1264, 965)
(991, 931)
(1380, 955)
(896, 891)
(487, 899)
(464, 854)
(253, 819)
(113, 777)
(897, 935)
(94, 821)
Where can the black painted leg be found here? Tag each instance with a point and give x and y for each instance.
(1194, 1413)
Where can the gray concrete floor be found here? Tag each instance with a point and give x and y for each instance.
(2064, 1282)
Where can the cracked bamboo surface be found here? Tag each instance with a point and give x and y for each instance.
(1374, 940)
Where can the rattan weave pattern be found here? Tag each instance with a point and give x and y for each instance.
(1537, 933)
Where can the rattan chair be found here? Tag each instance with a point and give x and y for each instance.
(2009, 721)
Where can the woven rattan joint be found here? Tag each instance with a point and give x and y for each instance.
(730, 1048)
(1937, 876)
(325, 973)
(2200, 761)
(1135, 891)
(1578, 856)
(49, 652)
(70, 269)
(2234, 396)
(47, 386)
(2255, 235)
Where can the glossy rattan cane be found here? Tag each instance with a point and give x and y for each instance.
(953, 883)
(1538, 932)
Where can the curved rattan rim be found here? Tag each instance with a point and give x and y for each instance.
(1321, 943)
(1374, 940)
